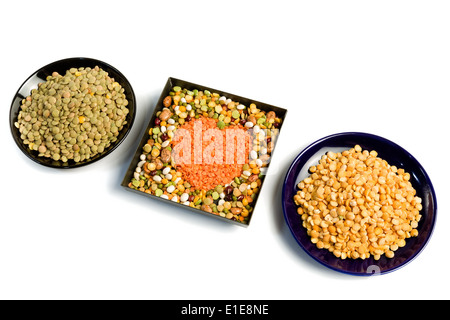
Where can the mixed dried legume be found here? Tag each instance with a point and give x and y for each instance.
(222, 175)
(356, 205)
(73, 116)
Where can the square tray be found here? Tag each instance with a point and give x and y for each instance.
(172, 82)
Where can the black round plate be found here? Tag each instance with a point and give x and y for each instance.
(61, 67)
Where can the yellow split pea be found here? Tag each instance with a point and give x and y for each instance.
(355, 205)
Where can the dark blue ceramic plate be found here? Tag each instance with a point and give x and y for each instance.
(394, 155)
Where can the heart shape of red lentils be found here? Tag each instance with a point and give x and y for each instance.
(208, 156)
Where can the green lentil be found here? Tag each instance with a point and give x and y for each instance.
(261, 120)
(135, 182)
(218, 108)
(208, 201)
(147, 148)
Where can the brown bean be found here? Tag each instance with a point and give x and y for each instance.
(145, 167)
(252, 119)
(206, 208)
(165, 155)
(270, 116)
(165, 115)
(236, 210)
(159, 164)
(167, 102)
(252, 178)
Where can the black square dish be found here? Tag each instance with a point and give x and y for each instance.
(42, 75)
(225, 186)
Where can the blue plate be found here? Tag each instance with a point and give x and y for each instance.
(394, 155)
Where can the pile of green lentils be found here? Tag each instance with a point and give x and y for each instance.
(73, 116)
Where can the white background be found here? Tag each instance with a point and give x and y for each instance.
(381, 67)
